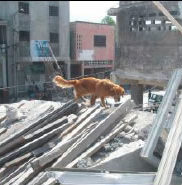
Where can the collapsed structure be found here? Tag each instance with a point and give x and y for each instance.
(94, 140)
(148, 44)
(68, 135)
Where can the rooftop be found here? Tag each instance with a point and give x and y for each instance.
(85, 22)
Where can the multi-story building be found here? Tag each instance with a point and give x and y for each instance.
(92, 46)
(23, 22)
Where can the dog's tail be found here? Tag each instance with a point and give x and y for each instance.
(61, 82)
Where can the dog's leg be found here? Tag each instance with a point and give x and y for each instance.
(92, 100)
(103, 102)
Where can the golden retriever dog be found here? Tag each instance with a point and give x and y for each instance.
(97, 88)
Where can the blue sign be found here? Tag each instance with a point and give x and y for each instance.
(39, 50)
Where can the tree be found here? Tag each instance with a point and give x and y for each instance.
(108, 20)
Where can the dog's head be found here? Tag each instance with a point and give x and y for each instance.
(57, 79)
(118, 91)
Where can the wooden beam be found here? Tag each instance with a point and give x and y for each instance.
(100, 144)
(167, 14)
(172, 147)
(90, 137)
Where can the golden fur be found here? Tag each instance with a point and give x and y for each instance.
(97, 88)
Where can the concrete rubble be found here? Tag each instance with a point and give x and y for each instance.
(37, 135)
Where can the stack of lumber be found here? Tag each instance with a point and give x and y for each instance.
(56, 136)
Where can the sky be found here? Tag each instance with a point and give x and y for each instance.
(91, 11)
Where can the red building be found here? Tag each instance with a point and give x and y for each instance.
(92, 48)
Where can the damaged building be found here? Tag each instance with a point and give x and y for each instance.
(148, 44)
(68, 142)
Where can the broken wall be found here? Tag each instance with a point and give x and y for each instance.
(147, 41)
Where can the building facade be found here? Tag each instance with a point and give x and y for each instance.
(149, 46)
(92, 47)
(31, 21)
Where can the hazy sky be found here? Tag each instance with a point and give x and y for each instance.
(91, 11)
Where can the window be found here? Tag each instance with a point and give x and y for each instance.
(157, 22)
(24, 36)
(140, 28)
(161, 14)
(2, 34)
(54, 37)
(148, 22)
(53, 11)
(152, 14)
(37, 68)
(23, 7)
(140, 22)
(100, 40)
(174, 12)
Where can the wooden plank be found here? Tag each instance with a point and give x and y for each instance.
(14, 175)
(57, 151)
(30, 137)
(18, 160)
(173, 144)
(85, 141)
(25, 176)
(45, 148)
(3, 144)
(80, 120)
(100, 144)
(159, 121)
(66, 109)
(2, 172)
(167, 14)
(39, 179)
(31, 145)
(3, 130)
(82, 125)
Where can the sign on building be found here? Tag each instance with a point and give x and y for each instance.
(39, 50)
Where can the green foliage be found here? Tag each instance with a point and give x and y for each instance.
(108, 20)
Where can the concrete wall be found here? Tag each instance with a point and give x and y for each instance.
(64, 29)
(157, 50)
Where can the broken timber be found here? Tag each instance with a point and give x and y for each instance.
(33, 144)
(52, 116)
(100, 144)
(94, 134)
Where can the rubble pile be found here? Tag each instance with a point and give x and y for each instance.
(36, 135)
(132, 136)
